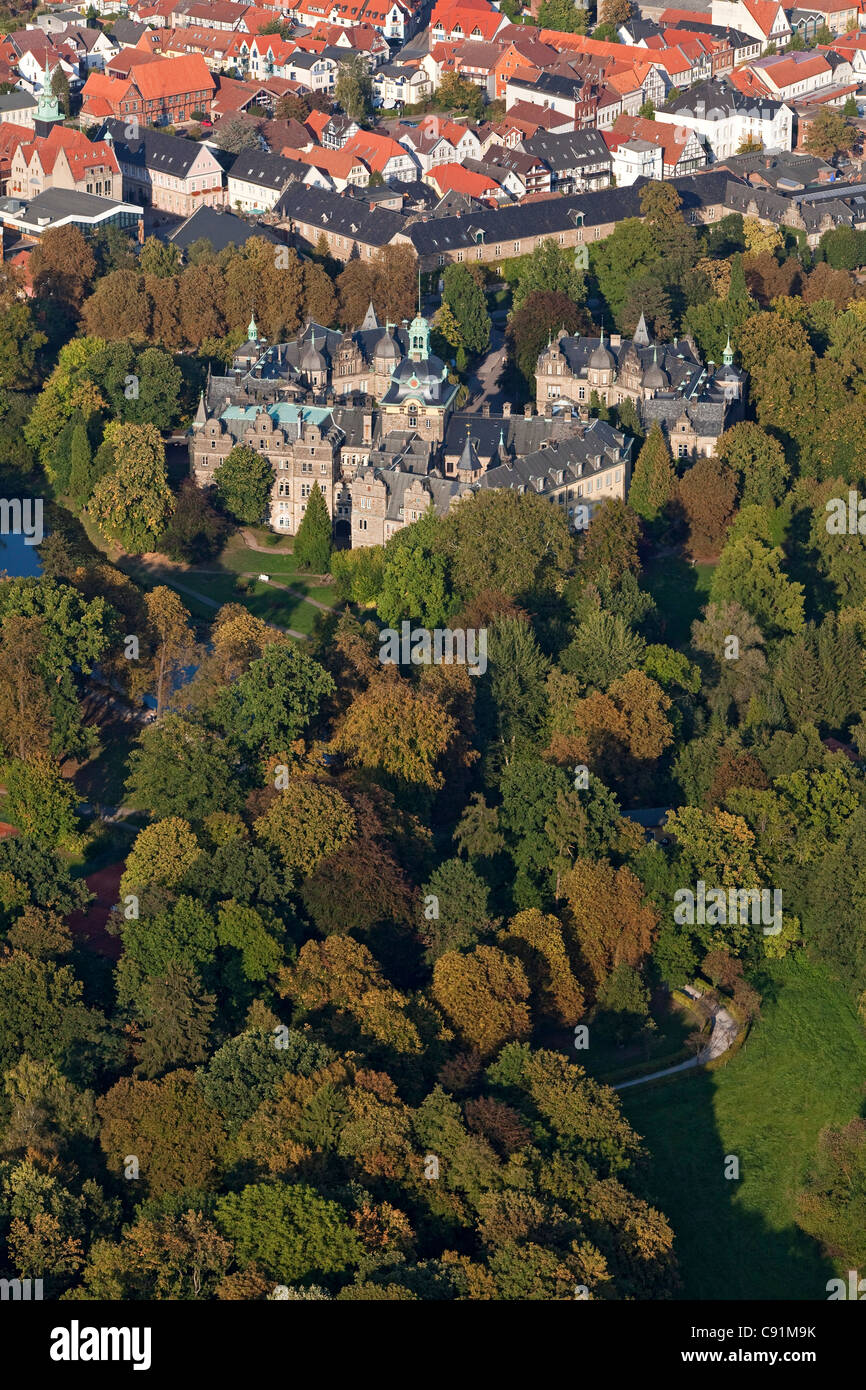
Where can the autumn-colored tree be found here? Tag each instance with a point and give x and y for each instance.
(537, 941)
(171, 640)
(828, 134)
(133, 502)
(627, 724)
(611, 921)
(483, 994)
(707, 494)
(62, 267)
(160, 857)
(167, 1127)
(320, 301)
(25, 707)
(391, 729)
(342, 974)
(307, 822)
(119, 307)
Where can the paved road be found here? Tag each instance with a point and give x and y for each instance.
(484, 384)
(724, 1035)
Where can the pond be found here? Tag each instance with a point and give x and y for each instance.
(18, 559)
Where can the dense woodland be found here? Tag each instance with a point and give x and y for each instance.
(332, 1044)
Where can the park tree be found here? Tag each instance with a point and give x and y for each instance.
(181, 769)
(539, 319)
(830, 1206)
(751, 574)
(391, 729)
(26, 723)
(415, 581)
(173, 1133)
(707, 495)
(177, 1016)
(455, 910)
(273, 702)
(42, 802)
(291, 1232)
(353, 89)
(79, 469)
(611, 543)
(466, 301)
(611, 922)
(312, 547)
(172, 642)
(562, 15)
(549, 269)
(62, 268)
(160, 856)
(243, 484)
(499, 540)
(653, 480)
(759, 460)
(483, 994)
(536, 939)
(132, 503)
(305, 824)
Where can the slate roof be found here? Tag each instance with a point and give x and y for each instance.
(580, 456)
(349, 217)
(568, 149)
(272, 171)
(220, 227)
(171, 154)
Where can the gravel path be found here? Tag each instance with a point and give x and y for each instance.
(725, 1033)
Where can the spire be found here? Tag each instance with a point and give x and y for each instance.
(468, 459)
(370, 320)
(252, 331)
(419, 292)
(728, 354)
(641, 333)
(201, 413)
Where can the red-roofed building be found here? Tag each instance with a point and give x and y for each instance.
(466, 19)
(383, 155)
(166, 92)
(340, 167)
(65, 159)
(453, 178)
(798, 74)
(11, 136)
(681, 151)
(764, 18)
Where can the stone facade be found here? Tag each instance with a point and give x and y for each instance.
(668, 382)
(370, 417)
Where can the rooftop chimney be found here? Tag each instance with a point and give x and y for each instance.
(527, 411)
(506, 410)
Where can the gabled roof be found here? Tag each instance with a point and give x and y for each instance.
(267, 170)
(174, 77)
(375, 150)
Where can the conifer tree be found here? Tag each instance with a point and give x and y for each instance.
(654, 478)
(313, 541)
(80, 480)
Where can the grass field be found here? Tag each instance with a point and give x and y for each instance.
(680, 591)
(802, 1068)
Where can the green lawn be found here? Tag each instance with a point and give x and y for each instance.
(802, 1068)
(680, 590)
(663, 1047)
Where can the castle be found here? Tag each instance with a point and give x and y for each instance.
(370, 415)
(666, 382)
